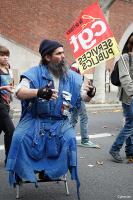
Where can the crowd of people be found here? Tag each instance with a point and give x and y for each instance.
(53, 95)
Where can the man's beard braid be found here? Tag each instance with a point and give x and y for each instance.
(58, 69)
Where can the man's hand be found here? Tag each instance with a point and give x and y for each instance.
(88, 90)
(47, 93)
(7, 88)
(91, 91)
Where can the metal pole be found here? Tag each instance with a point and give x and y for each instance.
(106, 4)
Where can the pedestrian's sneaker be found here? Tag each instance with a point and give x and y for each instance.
(116, 156)
(88, 144)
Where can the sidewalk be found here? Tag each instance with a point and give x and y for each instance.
(103, 107)
(111, 103)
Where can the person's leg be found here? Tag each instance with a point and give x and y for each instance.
(0, 128)
(84, 127)
(129, 147)
(7, 127)
(129, 141)
(74, 117)
(126, 131)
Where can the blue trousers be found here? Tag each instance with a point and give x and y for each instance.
(126, 133)
(82, 113)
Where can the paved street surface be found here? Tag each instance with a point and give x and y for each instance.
(100, 177)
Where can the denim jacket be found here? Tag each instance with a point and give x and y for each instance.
(39, 76)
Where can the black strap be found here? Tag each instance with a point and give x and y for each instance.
(130, 59)
(0, 91)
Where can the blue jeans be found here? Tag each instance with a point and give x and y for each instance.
(82, 113)
(126, 134)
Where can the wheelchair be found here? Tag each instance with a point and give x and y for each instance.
(19, 183)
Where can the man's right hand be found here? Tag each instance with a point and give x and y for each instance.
(7, 88)
(47, 93)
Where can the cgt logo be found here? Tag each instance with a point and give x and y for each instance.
(87, 38)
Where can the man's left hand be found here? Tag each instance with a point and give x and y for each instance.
(91, 91)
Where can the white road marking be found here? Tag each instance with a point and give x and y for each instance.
(1, 147)
(99, 135)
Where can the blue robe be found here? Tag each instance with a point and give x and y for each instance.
(44, 139)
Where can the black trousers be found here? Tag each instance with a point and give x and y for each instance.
(7, 126)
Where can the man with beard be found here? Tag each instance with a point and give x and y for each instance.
(44, 141)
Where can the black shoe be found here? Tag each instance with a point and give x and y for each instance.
(129, 159)
(129, 156)
(116, 156)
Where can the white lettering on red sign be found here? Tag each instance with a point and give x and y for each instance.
(91, 33)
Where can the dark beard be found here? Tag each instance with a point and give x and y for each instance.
(58, 69)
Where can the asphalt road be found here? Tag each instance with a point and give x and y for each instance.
(104, 121)
(100, 177)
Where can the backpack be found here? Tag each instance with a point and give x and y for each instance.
(114, 77)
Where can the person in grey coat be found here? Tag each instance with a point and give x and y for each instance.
(126, 97)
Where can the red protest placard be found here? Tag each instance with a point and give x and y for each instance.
(91, 39)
